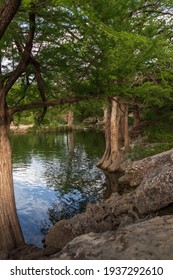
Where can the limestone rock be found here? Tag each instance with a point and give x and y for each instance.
(117, 211)
(66, 230)
(153, 177)
(134, 172)
(152, 239)
(156, 189)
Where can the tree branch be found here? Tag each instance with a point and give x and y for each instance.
(51, 103)
(25, 56)
(7, 13)
(40, 84)
(38, 76)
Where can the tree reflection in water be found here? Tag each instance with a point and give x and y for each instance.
(55, 175)
(76, 180)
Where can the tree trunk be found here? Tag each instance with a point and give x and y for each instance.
(116, 135)
(112, 155)
(10, 232)
(70, 118)
(115, 126)
(124, 126)
(105, 161)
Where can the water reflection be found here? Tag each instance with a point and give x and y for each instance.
(55, 176)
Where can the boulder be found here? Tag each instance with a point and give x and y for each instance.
(66, 230)
(153, 177)
(156, 189)
(134, 172)
(149, 240)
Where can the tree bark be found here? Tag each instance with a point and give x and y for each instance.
(70, 118)
(105, 160)
(7, 12)
(125, 126)
(10, 232)
(115, 127)
(112, 155)
(116, 135)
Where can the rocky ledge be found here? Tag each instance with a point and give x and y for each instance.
(151, 239)
(153, 177)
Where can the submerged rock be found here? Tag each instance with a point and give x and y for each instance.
(152, 239)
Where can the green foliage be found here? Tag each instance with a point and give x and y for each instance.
(112, 48)
(150, 114)
(53, 119)
(24, 118)
(160, 128)
(87, 109)
(160, 133)
(139, 152)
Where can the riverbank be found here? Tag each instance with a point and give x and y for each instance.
(131, 224)
(30, 128)
(134, 225)
(22, 128)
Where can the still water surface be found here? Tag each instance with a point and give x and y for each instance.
(55, 176)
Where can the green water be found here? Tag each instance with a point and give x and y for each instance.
(55, 176)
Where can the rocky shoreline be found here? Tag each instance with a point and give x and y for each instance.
(127, 226)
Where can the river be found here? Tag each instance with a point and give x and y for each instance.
(55, 176)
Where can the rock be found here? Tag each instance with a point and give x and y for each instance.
(109, 215)
(156, 189)
(90, 120)
(149, 240)
(134, 172)
(59, 235)
(66, 230)
(120, 204)
(30, 252)
(153, 177)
